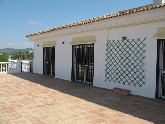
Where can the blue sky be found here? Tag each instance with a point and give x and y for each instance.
(21, 17)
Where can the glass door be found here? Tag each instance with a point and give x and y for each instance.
(49, 61)
(83, 63)
(161, 69)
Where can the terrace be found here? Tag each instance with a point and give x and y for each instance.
(27, 98)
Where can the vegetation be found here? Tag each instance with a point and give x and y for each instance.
(4, 57)
(20, 55)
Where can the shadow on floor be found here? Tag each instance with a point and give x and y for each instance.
(144, 108)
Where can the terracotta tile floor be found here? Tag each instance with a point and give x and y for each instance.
(27, 98)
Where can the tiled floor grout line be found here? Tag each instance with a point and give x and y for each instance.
(40, 108)
(12, 112)
(30, 110)
(6, 113)
(16, 111)
(7, 116)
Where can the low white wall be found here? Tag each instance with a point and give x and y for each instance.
(14, 66)
(26, 65)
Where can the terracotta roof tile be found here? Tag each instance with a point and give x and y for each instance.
(112, 15)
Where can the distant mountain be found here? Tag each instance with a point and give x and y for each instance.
(12, 50)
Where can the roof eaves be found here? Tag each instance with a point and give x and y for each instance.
(111, 15)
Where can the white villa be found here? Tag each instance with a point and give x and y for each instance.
(125, 50)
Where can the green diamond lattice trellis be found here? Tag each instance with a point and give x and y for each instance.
(125, 62)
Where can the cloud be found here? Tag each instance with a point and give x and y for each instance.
(34, 22)
(25, 44)
(10, 44)
(18, 45)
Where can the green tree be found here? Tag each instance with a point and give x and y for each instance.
(22, 55)
(4, 57)
(29, 55)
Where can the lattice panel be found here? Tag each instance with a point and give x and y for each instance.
(125, 62)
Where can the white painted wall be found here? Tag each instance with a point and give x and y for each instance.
(63, 58)
(128, 26)
(38, 58)
(134, 32)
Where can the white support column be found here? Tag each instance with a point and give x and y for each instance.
(6, 68)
